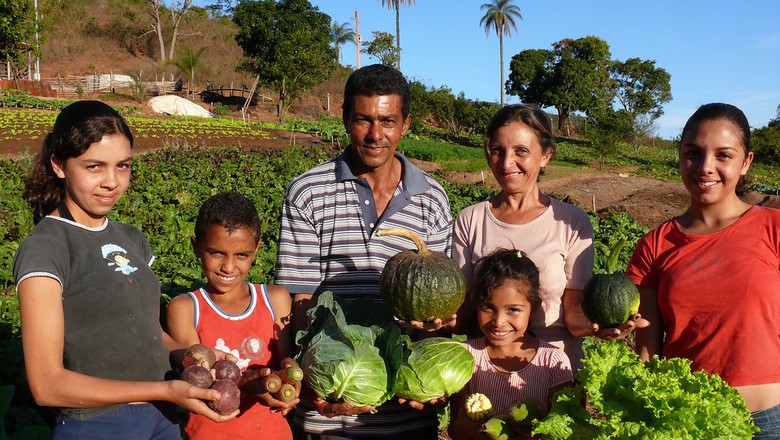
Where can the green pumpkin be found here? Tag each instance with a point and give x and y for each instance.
(610, 300)
(419, 284)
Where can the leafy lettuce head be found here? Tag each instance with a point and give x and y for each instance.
(660, 399)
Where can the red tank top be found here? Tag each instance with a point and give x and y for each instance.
(249, 336)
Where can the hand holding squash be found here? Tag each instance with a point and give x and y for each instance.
(423, 289)
(620, 332)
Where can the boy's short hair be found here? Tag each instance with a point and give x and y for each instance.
(230, 210)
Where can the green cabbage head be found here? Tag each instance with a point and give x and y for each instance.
(344, 372)
(432, 368)
(345, 362)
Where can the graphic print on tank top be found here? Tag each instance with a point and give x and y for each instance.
(252, 347)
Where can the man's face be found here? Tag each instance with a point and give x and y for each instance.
(375, 128)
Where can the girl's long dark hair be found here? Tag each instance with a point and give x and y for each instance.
(78, 126)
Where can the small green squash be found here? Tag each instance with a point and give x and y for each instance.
(419, 284)
(610, 300)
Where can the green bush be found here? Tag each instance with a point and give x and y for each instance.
(765, 143)
(608, 230)
(220, 109)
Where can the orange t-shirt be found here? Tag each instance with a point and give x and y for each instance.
(719, 295)
(248, 336)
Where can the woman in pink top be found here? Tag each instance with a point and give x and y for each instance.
(557, 236)
(510, 364)
(710, 278)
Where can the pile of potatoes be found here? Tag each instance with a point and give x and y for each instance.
(199, 360)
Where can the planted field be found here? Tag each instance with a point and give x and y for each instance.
(23, 130)
(186, 161)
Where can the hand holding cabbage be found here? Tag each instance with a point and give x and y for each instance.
(356, 355)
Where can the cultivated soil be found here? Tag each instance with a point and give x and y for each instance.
(649, 201)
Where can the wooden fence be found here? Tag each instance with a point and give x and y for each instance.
(76, 86)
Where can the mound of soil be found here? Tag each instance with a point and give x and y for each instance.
(648, 201)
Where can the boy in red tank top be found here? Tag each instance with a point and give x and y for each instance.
(249, 321)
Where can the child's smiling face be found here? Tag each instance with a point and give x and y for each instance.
(504, 315)
(96, 180)
(226, 257)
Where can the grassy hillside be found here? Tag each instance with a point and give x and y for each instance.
(104, 36)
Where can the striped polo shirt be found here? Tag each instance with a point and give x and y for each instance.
(329, 222)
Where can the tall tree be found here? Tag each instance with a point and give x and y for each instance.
(177, 9)
(573, 76)
(642, 88)
(341, 33)
(381, 48)
(775, 122)
(15, 15)
(500, 16)
(396, 4)
(286, 44)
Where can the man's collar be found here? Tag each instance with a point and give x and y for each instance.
(414, 181)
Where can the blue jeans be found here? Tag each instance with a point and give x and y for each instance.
(129, 422)
(768, 421)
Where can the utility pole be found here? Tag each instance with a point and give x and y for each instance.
(357, 40)
(37, 46)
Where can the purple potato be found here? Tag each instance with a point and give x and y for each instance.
(199, 354)
(226, 369)
(229, 396)
(198, 376)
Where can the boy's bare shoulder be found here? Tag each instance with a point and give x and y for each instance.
(275, 290)
(181, 300)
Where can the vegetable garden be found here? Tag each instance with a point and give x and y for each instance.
(166, 191)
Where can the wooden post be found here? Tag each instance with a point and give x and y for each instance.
(249, 99)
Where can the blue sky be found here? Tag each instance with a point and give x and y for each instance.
(715, 50)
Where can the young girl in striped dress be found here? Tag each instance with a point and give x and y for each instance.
(510, 363)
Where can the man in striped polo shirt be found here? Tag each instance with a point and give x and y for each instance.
(328, 238)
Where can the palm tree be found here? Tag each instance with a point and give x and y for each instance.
(187, 62)
(396, 4)
(500, 16)
(340, 34)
